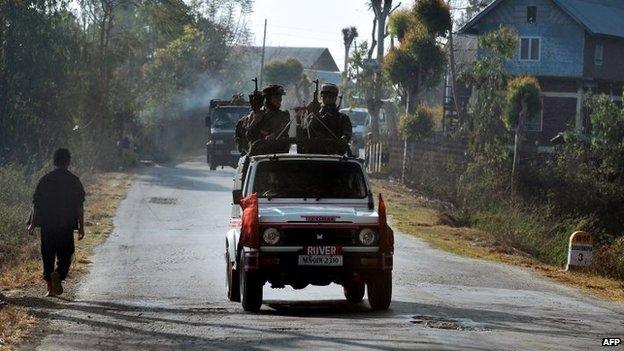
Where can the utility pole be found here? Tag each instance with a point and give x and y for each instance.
(263, 47)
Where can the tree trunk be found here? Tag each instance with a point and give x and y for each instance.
(515, 170)
(460, 112)
(346, 66)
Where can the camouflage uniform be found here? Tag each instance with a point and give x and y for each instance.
(329, 122)
(240, 137)
(270, 122)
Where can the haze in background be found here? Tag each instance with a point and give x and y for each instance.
(317, 23)
(310, 23)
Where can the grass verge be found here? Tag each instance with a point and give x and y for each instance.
(104, 193)
(416, 215)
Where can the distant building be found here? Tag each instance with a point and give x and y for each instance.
(573, 47)
(317, 62)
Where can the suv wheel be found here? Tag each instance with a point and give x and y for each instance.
(353, 291)
(380, 291)
(232, 281)
(251, 289)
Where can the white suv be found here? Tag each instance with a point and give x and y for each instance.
(313, 222)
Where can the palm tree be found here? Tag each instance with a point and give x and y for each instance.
(348, 35)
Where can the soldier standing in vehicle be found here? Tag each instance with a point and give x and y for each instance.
(270, 123)
(240, 137)
(328, 122)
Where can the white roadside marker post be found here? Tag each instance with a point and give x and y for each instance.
(579, 251)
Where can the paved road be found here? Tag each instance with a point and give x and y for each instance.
(158, 283)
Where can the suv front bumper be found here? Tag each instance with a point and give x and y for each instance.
(283, 267)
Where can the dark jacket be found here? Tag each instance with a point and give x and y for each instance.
(58, 196)
(272, 123)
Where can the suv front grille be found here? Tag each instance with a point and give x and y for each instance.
(319, 236)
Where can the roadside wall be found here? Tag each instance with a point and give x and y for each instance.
(433, 164)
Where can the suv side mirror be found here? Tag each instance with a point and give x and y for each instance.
(236, 195)
(208, 121)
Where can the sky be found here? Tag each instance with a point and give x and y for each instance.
(314, 23)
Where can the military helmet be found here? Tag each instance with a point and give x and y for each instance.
(329, 88)
(273, 89)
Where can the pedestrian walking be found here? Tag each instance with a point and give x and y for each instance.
(58, 210)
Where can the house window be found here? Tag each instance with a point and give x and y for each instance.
(530, 49)
(531, 14)
(598, 55)
(534, 123)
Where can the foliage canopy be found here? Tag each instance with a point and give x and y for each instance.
(522, 88)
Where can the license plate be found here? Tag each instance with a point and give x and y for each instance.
(234, 153)
(320, 260)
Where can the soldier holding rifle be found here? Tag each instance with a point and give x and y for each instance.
(269, 123)
(327, 122)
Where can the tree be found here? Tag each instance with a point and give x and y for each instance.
(286, 73)
(381, 9)
(417, 125)
(472, 8)
(418, 63)
(78, 77)
(523, 100)
(607, 134)
(348, 36)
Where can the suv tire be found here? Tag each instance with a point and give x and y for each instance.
(354, 291)
(380, 291)
(251, 289)
(232, 280)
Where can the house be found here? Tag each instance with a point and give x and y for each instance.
(318, 63)
(573, 48)
(319, 59)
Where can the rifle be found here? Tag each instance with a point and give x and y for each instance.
(256, 100)
(314, 105)
(339, 101)
(316, 90)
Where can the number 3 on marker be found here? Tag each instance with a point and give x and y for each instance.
(580, 259)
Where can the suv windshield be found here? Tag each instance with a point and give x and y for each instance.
(309, 179)
(226, 117)
(358, 118)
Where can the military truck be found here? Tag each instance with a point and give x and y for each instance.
(221, 124)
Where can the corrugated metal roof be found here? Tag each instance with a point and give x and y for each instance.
(310, 58)
(600, 17)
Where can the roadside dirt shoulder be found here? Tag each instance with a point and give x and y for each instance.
(425, 218)
(23, 281)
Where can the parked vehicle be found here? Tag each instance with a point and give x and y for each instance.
(359, 120)
(315, 225)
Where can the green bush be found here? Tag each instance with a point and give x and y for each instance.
(517, 90)
(417, 125)
(609, 259)
(16, 190)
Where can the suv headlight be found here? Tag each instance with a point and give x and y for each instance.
(367, 236)
(271, 236)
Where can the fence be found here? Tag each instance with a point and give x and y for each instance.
(433, 164)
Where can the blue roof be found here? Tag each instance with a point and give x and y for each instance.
(598, 17)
